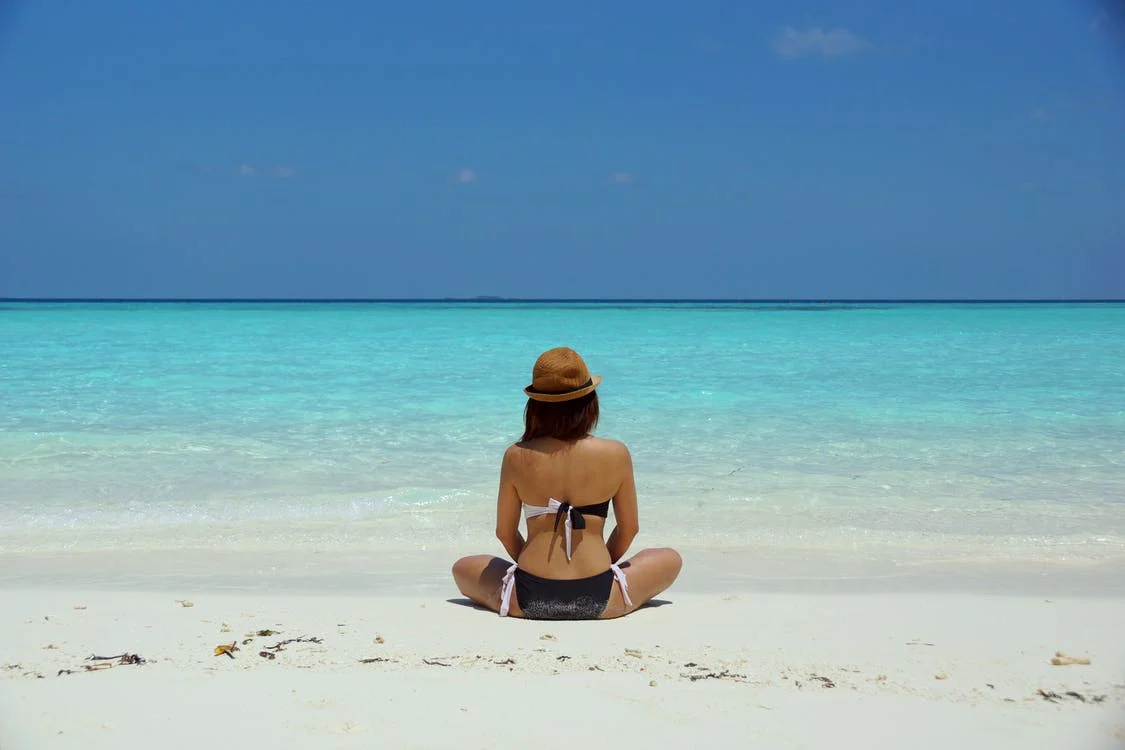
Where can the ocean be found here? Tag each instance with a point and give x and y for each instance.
(938, 431)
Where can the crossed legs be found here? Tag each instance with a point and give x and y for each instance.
(648, 572)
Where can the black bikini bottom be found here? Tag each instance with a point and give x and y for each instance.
(556, 599)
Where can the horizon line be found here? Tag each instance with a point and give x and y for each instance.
(578, 300)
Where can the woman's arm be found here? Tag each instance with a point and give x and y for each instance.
(624, 511)
(508, 509)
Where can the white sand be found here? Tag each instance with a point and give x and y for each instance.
(506, 683)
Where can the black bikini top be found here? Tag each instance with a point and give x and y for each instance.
(601, 509)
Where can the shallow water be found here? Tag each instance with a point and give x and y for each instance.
(942, 430)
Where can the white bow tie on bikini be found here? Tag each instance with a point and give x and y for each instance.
(572, 517)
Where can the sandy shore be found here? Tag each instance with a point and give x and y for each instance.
(766, 669)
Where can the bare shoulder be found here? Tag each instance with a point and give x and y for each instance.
(612, 449)
(515, 455)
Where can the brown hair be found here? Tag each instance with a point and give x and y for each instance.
(563, 420)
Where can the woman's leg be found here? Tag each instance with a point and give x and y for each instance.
(479, 577)
(648, 572)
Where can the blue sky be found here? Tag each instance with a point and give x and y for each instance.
(587, 149)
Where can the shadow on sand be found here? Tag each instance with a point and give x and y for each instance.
(463, 602)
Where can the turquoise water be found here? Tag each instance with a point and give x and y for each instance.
(939, 429)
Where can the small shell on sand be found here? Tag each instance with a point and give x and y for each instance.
(185, 602)
(1062, 660)
(226, 649)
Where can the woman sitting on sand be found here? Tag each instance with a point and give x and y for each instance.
(562, 477)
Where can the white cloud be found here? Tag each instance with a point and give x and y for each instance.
(623, 178)
(708, 43)
(246, 170)
(280, 172)
(791, 42)
(1109, 20)
(465, 177)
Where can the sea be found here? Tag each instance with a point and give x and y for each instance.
(936, 431)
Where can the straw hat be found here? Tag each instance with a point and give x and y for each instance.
(560, 374)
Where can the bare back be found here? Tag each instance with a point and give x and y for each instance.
(585, 472)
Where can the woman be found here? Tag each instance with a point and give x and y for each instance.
(565, 480)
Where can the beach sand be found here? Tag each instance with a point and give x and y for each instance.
(884, 667)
